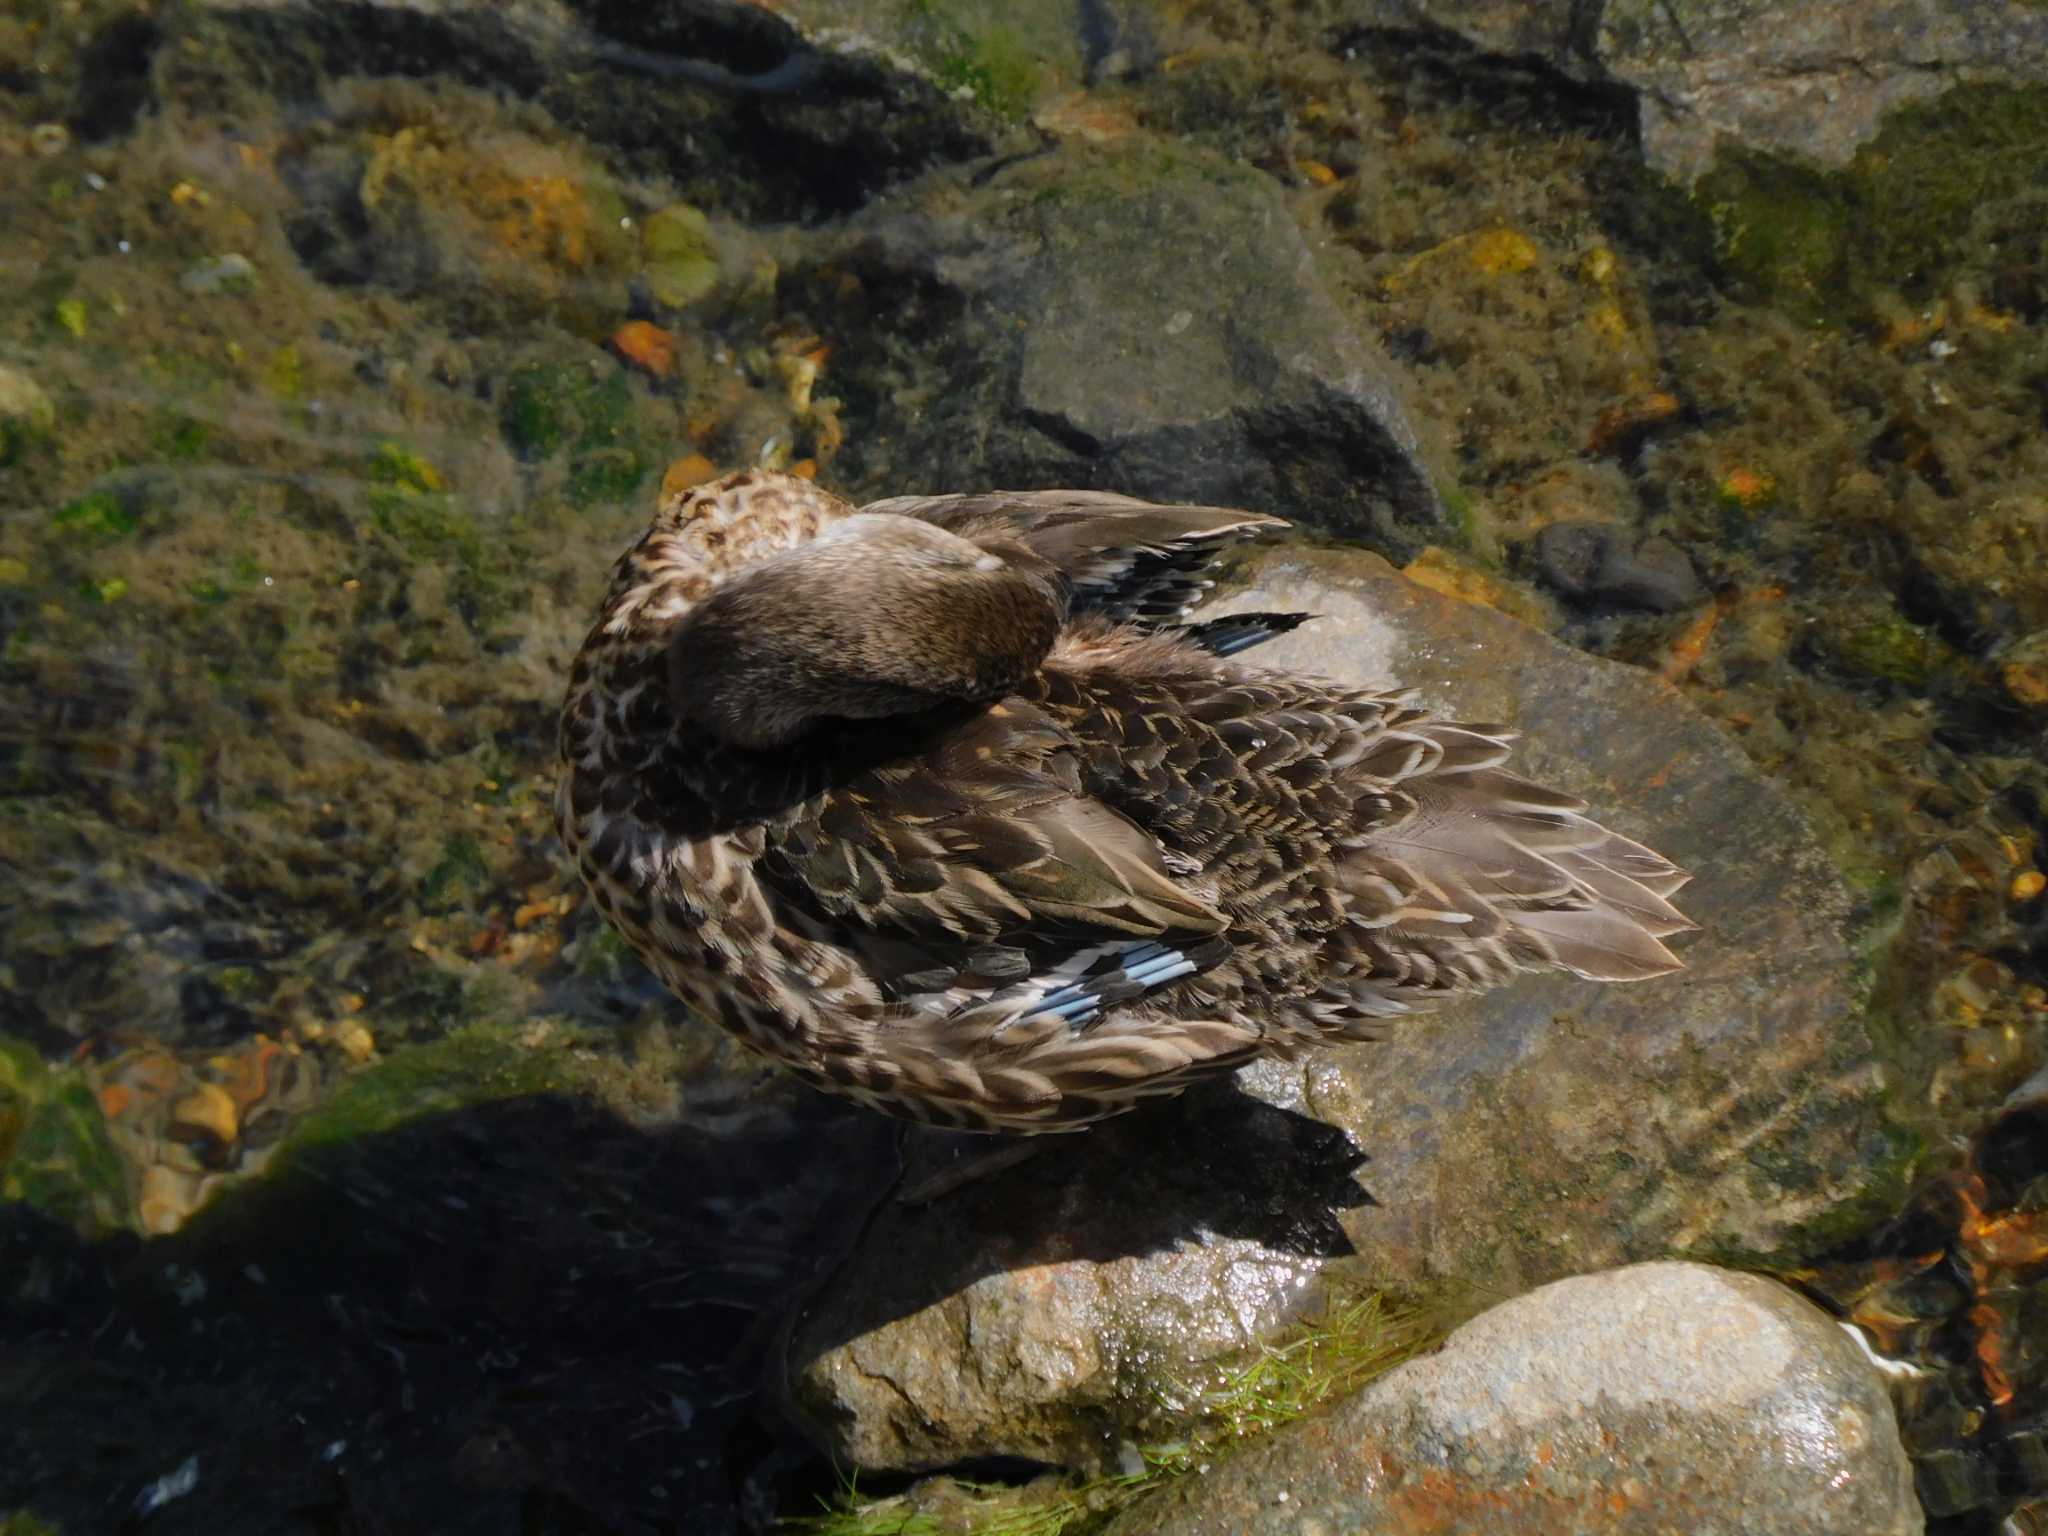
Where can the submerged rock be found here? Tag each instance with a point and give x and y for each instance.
(1747, 1107)
(1600, 563)
(1810, 78)
(1236, 378)
(1655, 1398)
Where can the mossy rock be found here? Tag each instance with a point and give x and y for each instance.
(1898, 216)
(1873, 640)
(551, 406)
(477, 1064)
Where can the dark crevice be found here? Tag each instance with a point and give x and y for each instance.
(114, 79)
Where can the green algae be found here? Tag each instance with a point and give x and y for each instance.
(1902, 213)
(475, 1064)
(459, 874)
(552, 409)
(54, 1152)
(100, 516)
(1873, 640)
(677, 256)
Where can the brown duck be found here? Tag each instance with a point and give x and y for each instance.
(943, 805)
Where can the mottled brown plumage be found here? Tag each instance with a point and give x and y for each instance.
(942, 805)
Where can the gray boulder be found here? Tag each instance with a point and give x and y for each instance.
(1656, 1398)
(1145, 317)
(1809, 78)
(1746, 1108)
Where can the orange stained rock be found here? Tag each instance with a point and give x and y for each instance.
(2012, 1240)
(1442, 572)
(1082, 115)
(1317, 172)
(2026, 680)
(1690, 645)
(208, 1108)
(805, 469)
(2028, 884)
(115, 1100)
(1991, 1353)
(691, 469)
(647, 347)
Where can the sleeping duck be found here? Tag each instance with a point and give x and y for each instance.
(945, 805)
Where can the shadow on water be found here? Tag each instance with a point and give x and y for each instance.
(532, 1316)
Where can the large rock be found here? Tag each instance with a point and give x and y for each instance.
(1656, 1398)
(1743, 1109)
(730, 104)
(1142, 317)
(1810, 78)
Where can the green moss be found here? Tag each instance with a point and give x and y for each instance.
(181, 439)
(1899, 215)
(606, 475)
(677, 256)
(409, 504)
(1273, 1386)
(101, 516)
(54, 1151)
(537, 413)
(285, 374)
(549, 407)
(71, 314)
(460, 872)
(1781, 230)
(982, 55)
(1873, 640)
(22, 1522)
(474, 1065)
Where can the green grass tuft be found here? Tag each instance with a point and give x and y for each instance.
(1321, 1362)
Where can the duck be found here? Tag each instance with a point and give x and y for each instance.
(952, 805)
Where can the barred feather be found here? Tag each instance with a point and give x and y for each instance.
(1017, 848)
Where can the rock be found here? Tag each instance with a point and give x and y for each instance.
(1655, 1398)
(1235, 380)
(732, 105)
(1808, 78)
(232, 273)
(1600, 563)
(1750, 1108)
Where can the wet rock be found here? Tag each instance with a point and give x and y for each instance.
(1810, 78)
(1136, 317)
(1653, 1398)
(733, 105)
(1600, 563)
(1748, 1107)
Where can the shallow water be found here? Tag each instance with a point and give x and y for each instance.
(343, 1148)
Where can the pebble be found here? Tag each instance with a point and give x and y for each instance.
(1600, 563)
(230, 273)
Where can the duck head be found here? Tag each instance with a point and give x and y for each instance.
(866, 616)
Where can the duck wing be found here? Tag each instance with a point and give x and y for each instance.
(1130, 561)
(978, 871)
